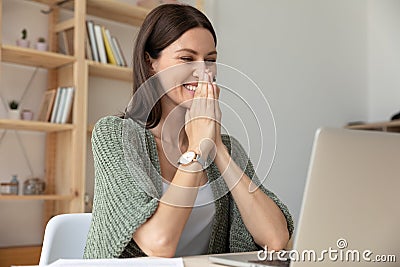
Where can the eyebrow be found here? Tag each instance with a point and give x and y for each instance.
(194, 52)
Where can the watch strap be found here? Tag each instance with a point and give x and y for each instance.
(202, 162)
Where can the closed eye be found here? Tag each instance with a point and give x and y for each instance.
(210, 62)
(186, 59)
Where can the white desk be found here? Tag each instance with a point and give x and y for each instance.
(192, 261)
(202, 261)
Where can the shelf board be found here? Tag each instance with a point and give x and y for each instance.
(33, 57)
(34, 126)
(110, 71)
(376, 125)
(46, 2)
(36, 197)
(109, 9)
(117, 11)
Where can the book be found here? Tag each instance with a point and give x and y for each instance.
(47, 105)
(66, 111)
(92, 40)
(100, 44)
(61, 105)
(66, 42)
(114, 48)
(119, 51)
(88, 49)
(107, 44)
(55, 106)
(63, 43)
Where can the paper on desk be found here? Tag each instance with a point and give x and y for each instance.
(137, 262)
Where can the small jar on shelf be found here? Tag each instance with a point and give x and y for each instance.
(10, 188)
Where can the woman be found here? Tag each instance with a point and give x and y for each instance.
(145, 203)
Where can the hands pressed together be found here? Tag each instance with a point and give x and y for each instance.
(203, 119)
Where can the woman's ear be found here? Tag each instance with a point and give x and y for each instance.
(152, 63)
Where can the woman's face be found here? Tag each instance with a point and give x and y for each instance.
(181, 64)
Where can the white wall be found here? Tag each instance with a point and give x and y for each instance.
(383, 58)
(309, 58)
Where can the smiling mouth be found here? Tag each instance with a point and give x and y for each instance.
(191, 86)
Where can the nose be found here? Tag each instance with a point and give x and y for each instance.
(199, 68)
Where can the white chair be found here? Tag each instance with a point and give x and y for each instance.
(65, 237)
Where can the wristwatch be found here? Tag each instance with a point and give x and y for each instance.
(191, 156)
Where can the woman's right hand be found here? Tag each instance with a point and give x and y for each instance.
(201, 118)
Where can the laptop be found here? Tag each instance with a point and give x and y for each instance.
(350, 213)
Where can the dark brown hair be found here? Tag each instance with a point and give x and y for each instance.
(162, 26)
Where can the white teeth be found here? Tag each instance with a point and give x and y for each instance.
(190, 87)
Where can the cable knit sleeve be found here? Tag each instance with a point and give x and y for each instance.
(120, 205)
(240, 239)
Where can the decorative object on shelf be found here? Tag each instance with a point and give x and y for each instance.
(10, 188)
(15, 182)
(23, 42)
(27, 115)
(6, 188)
(41, 44)
(34, 186)
(14, 112)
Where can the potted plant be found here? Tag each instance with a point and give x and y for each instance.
(41, 44)
(23, 42)
(13, 112)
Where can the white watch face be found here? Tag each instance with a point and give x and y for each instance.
(187, 157)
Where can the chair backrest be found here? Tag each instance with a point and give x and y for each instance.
(65, 237)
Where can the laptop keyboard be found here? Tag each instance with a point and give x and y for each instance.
(271, 262)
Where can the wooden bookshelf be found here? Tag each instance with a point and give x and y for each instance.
(36, 197)
(108, 9)
(386, 126)
(46, 2)
(117, 11)
(110, 71)
(90, 129)
(33, 57)
(34, 126)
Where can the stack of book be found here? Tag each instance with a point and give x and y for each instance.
(102, 47)
(57, 105)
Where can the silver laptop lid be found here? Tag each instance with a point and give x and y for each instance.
(351, 207)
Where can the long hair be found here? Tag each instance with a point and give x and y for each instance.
(162, 26)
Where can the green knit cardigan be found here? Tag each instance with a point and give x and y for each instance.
(128, 186)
